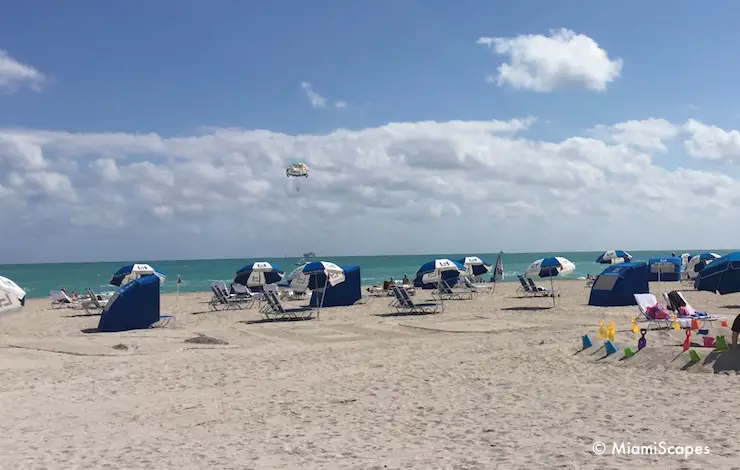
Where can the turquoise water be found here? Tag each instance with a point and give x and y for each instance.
(197, 275)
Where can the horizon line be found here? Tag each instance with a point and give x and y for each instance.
(327, 257)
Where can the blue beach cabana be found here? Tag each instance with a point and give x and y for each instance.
(339, 295)
(665, 269)
(134, 306)
(617, 285)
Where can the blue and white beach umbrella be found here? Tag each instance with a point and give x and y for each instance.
(319, 275)
(436, 270)
(258, 274)
(12, 297)
(132, 272)
(550, 267)
(475, 266)
(614, 257)
(722, 276)
(699, 262)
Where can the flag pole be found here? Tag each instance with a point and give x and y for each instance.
(177, 295)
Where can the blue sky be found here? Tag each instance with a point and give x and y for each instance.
(146, 112)
(171, 66)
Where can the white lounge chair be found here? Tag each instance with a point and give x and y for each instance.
(545, 292)
(682, 302)
(59, 299)
(478, 287)
(644, 302)
(244, 293)
(93, 304)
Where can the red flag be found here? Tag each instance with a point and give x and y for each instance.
(179, 281)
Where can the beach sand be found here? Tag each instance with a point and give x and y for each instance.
(496, 382)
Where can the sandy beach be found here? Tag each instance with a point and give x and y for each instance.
(496, 382)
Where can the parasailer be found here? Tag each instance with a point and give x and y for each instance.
(297, 170)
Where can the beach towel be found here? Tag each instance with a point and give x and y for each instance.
(657, 312)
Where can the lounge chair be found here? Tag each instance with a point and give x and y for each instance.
(223, 301)
(543, 291)
(478, 287)
(93, 304)
(272, 309)
(675, 300)
(403, 304)
(59, 299)
(244, 293)
(445, 292)
(526, 291)
(644, 302)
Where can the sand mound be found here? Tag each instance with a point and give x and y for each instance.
(203, 339)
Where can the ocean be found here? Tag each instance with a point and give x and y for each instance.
(197, 275)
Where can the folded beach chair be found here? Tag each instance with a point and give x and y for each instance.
(403, 304)
(272, 309)
(674, 300)
(93, 304)
(61, 300)
(223, 301)
(540, 290)
(445, 292)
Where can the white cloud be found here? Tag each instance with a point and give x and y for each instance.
(712, 142)
(648, 134)
(547, 63)
(318, 101)
(14, 75)
(400, 187)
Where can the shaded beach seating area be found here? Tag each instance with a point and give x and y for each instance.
(446, 292)
(478, 287)
(222, 300)
(530, 289)
(244, 293)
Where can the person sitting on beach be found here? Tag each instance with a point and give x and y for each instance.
(386, 285)
(735, 332)
(406, 281)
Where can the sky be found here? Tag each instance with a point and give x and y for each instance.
(137, 130)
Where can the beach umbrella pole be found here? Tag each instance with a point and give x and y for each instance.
(552, 290)
(321, 303)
